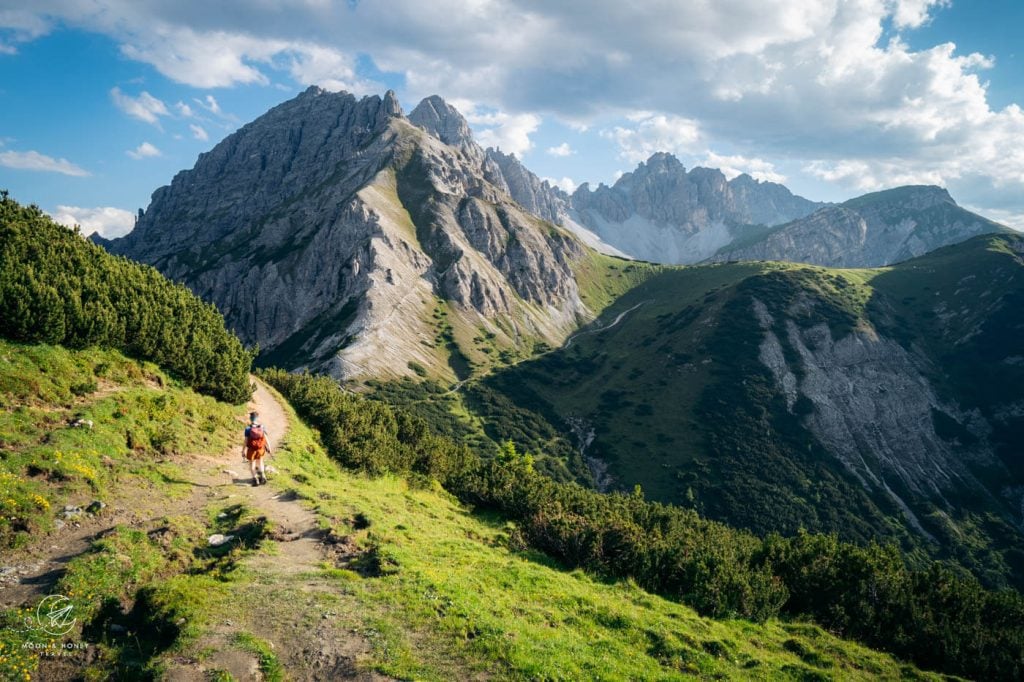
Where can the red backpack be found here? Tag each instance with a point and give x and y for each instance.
(255, 439)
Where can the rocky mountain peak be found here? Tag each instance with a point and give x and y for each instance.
(313, 91)
(390, 106)
(661, 162)
(442, 120)
(663, 213)
(330, 229)
(873, 230)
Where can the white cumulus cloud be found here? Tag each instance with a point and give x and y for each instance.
(143, 151)
(34, 161)
(20, 25)
(145, 107)
(831, 86)
(210, 104)
(650, 133)
(108, 221)
(202, 59)
(328, 68)
(561, 150)
(198, 132)
(509, 133)
(566, 184)
(914, 13)
(733, 165)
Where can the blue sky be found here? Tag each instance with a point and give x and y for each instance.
(102, 102)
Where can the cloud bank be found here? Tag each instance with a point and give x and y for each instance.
(826, 86)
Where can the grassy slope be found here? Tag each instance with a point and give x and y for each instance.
(662, 388)
(439, 592)
(141, 417)
(445, 593)
(142, 420)
(610, 374)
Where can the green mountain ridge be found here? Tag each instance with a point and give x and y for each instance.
(455, 597)
(872, 403)
(56, 287)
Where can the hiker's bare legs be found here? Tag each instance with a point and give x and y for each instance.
(256, 467)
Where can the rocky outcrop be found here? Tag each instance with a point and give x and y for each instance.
(659, 212)
(873, 230)
(767, 203)
(873, 409)
(330, 229)
(529, 191)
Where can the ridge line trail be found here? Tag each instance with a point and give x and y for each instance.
(43, 563)
(290, 519)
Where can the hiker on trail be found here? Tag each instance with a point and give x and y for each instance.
(256, 446)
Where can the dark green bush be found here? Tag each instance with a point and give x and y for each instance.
(369, 435)
(58, 288)
(933, 617)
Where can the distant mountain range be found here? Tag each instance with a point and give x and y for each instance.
(875, 229)
(663, 213)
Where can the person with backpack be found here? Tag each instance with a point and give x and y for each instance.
(255, 448)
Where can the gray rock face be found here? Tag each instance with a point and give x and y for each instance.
(874, 230)
(529, 191)
(443, 121)
(873, 409)
(294, 146)
(767, 203)
(663, 213)
(659, 212)
(329, 229)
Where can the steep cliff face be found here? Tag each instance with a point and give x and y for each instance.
(529, 191)
(338, 235)
(663, 213)
(874, 409)
(869, 231)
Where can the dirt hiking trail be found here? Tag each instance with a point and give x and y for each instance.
(283, 603)
(281, 598)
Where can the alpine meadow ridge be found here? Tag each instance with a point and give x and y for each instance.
(679, 426)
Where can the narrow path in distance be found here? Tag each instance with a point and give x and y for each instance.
(618, 318)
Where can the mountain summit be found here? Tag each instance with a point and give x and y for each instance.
(443, 121)
(663, 213)
(338, 235)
